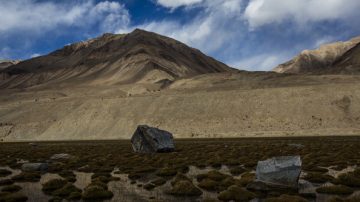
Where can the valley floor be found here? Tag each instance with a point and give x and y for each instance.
(211, 165)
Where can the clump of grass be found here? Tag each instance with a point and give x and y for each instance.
(11, 188)
(66, 190)
(68, 175)
(215, 181)
(149, 186)
(316, 169)
(236, 193)
(182, 186)
(237, 170)
(4, 172)
(158, 181)
(349, 179)
(166, 172)
(246, 178)
(52, 185)
(13, 197)
(335, 189)
(286, 198)
(6, 182)
(27, 177)
(74, 196)
(316, 177)
(94, 192)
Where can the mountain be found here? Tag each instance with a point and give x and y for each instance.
(349, 63)
(6, 63)
(319, 60)
(137, 57)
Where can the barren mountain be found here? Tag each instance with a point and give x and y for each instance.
(318, 61)
(349, 63)
(7, 63)
(138, 57)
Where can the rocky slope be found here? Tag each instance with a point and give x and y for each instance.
(320, 61)
(7, 63)
(137, 57)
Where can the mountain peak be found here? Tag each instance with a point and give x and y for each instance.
(139, 56)
(318, 60)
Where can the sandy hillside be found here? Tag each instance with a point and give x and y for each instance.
(215, 105)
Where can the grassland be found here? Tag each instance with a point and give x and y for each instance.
(239, 155)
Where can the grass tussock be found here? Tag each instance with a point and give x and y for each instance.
(335, 189)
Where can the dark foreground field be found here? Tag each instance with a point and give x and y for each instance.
(199, 170)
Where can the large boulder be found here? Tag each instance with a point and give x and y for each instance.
(282, 171)
(34, 167)
(149, 140)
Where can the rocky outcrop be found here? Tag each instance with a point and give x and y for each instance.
(320, 60)
(149, 140)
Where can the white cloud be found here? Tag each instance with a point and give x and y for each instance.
(262, 12)
(177, 3)
(34, 55)
(35, 16)
(261, 62)
(210, 30)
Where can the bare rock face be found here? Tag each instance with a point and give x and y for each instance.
(319, 60)
(150, 140)
(282, 171)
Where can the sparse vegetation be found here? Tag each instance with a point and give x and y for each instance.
(286, 198)
(11, 188)
(316, 177)
(336, 189)
(236, 193)
(4, 172)
(94, 192)
(27, 177)
(101, 157)
(182, 186)
(12, 197)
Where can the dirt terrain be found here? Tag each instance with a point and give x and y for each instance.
(216, 105)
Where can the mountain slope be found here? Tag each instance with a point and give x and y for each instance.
(137, 57)
(318, 60)
(349, 63)
(7, 63)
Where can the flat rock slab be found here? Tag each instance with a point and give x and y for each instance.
(282, 170)
(148, 139)
(34, 167)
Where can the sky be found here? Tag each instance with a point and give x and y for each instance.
(245, 34)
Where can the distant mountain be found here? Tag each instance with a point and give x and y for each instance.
(326, 59)
(137, 57)
(7, 63)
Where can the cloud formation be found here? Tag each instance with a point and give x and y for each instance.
(35, 16)
(177, 3)
(262, 12)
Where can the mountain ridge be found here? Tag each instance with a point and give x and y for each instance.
(113, 59)
(319, 61)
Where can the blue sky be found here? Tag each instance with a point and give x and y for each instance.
(246, 34)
